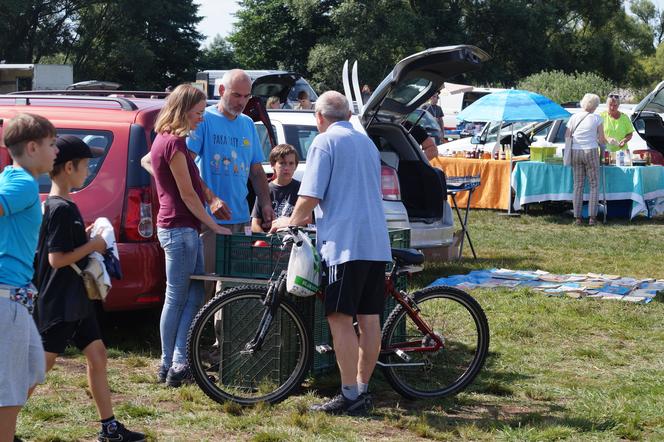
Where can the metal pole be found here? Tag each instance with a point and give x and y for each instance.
(509, 198)
(602, 166)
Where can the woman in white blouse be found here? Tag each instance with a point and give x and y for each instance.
(587, 133)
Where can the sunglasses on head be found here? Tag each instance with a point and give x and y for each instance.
(614, 96)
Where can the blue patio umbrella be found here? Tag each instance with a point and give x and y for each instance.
(511, 106)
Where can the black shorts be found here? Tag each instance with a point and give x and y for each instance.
(81, 333)
(355, 287)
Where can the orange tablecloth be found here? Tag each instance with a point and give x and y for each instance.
(494, 190)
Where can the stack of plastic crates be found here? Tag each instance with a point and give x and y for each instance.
(238, 257)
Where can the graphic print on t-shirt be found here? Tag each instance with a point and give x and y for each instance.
(225, 161)
(282, 208)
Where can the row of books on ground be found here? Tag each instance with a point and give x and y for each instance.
(591, 285)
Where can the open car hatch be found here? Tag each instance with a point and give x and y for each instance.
(415, 79)
(647, 118)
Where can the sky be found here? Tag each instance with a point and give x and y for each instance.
(218, 17)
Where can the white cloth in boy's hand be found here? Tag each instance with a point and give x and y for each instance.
(103, 227)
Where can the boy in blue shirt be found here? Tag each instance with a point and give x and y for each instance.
(30, 140)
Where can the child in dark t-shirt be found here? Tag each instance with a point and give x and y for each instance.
(283, 188)
(64, 313)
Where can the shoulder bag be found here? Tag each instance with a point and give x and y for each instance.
(93, 279)
(567, 151)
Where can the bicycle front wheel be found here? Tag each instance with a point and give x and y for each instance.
(460, 323)
(216, 344)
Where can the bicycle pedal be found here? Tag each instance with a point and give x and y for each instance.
(403, 355)
(324, 349)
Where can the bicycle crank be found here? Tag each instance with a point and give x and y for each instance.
(429, 341)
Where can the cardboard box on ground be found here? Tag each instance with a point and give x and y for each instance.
(445, 253)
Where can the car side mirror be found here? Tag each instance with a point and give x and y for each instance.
(475, 139)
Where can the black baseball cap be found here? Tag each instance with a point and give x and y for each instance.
(70, 148)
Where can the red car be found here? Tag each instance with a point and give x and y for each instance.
(120, 128)
(117, 187)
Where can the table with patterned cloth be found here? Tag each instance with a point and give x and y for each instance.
(537, 182)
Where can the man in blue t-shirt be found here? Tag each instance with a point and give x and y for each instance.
(342, 182)
(30, 140)
(229, 153)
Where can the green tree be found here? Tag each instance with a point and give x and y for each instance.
(278, 34)
(522, 36)
(562, 87)
(650, 16)
(217, 55)
(376, 33)
(32, 29)
(143, 45)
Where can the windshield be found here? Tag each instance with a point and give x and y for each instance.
(490, 133)
(300, 136)
(423, 118)
(302, 85)
(408, 91)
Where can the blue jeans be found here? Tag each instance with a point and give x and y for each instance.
(184, 257)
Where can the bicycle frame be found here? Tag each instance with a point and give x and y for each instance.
(402, 349)
(271, 302)
(277, 288)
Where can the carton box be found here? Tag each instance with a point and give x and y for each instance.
(444, 253)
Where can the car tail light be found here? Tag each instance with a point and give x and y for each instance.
(389, 183)
(138, 223)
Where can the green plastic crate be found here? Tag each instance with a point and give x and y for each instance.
(324, 363)
(238, 257)
(277, 364)
(399, 238)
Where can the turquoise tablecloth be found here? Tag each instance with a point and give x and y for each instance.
(536, 182)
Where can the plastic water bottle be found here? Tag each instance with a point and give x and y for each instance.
(620, 158)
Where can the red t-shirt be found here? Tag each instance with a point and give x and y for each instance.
(173, 212)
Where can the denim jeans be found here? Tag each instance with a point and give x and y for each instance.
(184, 257)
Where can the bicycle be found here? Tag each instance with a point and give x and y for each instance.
(251, 344)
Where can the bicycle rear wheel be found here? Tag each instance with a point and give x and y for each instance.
(217, 339)
(456, 318)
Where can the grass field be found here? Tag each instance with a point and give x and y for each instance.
(558, 369)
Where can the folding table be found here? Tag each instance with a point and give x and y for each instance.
(456, 185)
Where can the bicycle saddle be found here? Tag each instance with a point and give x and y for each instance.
(408, 256)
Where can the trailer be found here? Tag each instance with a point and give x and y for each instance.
(32, 77)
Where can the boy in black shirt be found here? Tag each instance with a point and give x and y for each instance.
(283, 188)
(64, 312)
